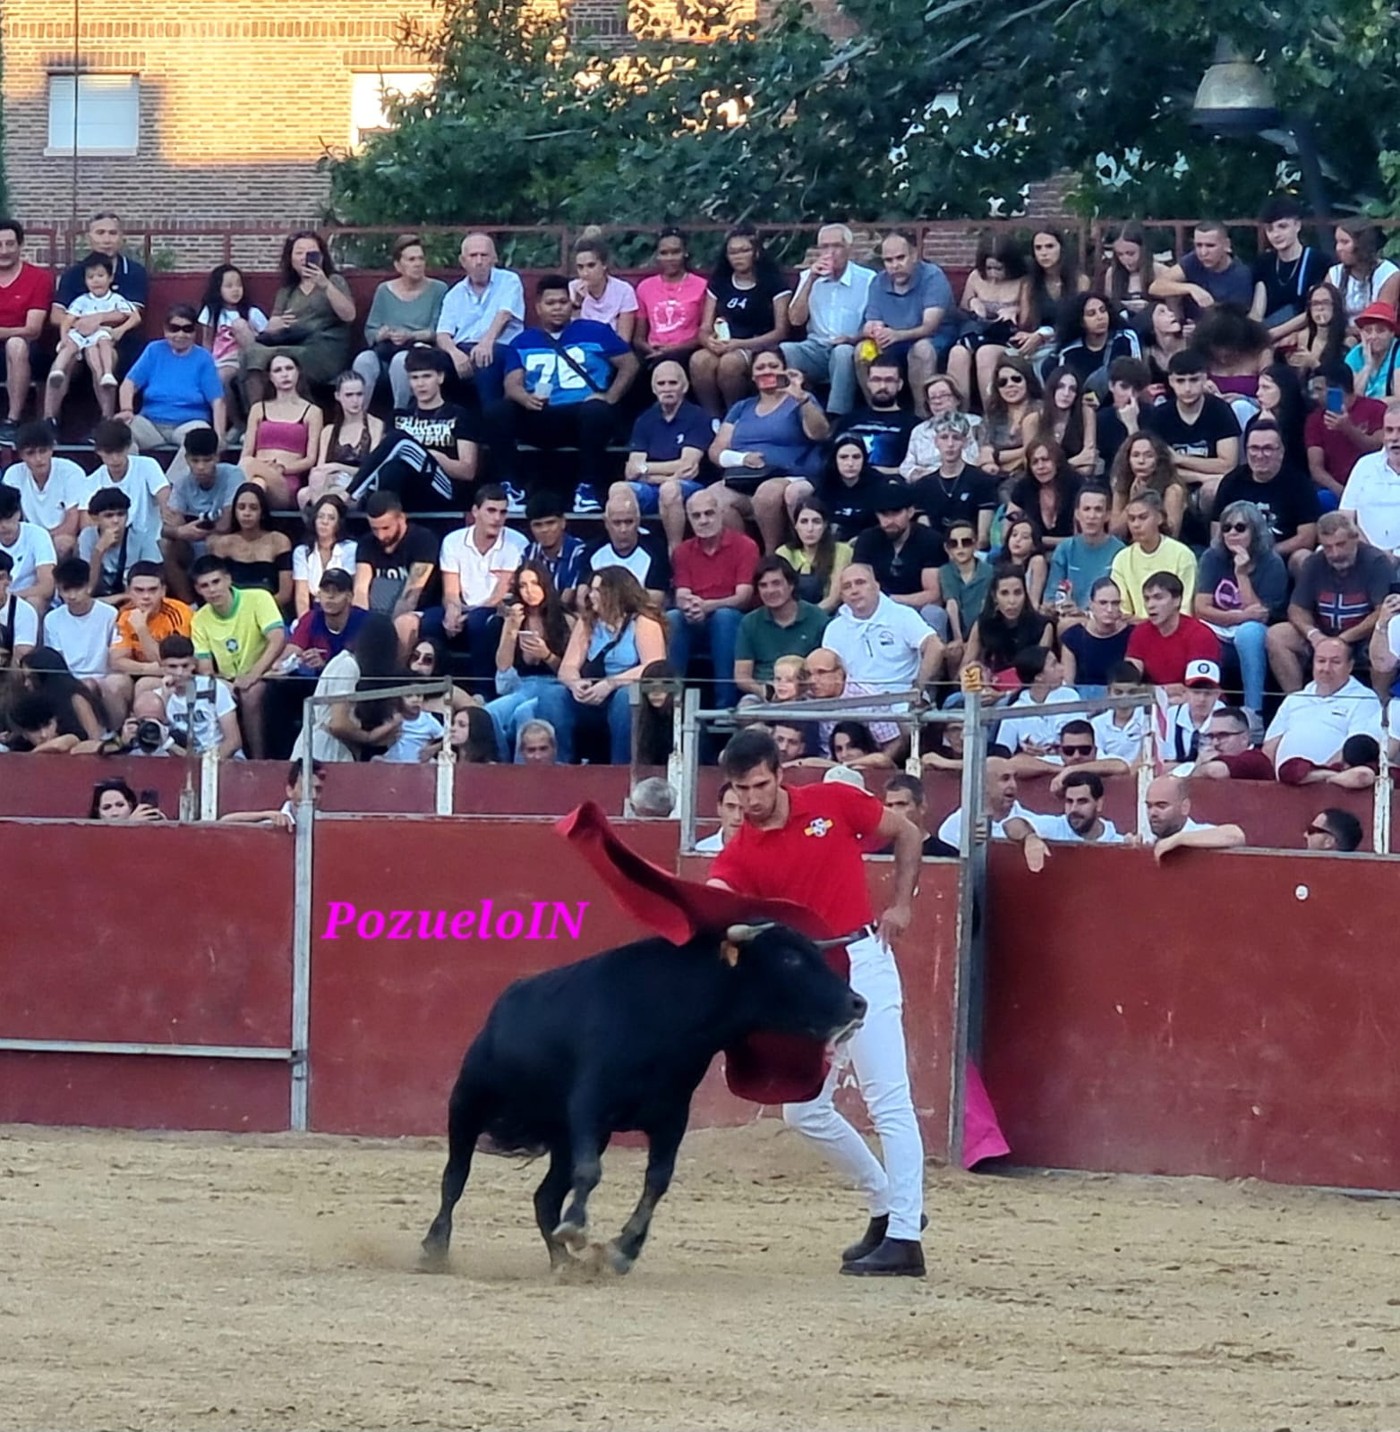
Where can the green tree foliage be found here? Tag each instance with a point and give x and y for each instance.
(917, 108)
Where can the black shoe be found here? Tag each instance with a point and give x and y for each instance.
(873, 1237)
(894, 1258)
(9, 431)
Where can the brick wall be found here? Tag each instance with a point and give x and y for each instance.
(238, 101)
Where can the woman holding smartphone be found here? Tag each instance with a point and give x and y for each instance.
(311, 317)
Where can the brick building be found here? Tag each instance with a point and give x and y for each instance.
(191, 110)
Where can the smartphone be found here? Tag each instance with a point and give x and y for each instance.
(1334, 400)
(150, 797)
(313, 259)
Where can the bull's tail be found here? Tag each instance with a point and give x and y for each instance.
(466, 1118)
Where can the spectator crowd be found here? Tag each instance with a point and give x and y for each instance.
(1137, 473)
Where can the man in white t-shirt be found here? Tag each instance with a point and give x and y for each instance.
(1042, 688)
(81, 630)
(1169, 820)
(52, 490)
(731, 817)
(1372, 496)
(200, 710)
(141, 478)
(1331, 729)
(30, 550)
(19, 622)
(1008, 818)
(477, 564)
(1083, 821)
(883, 646)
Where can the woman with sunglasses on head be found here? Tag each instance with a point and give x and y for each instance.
(1241, 588)
(995, 296)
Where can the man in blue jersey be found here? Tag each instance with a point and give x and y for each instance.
(563, 380)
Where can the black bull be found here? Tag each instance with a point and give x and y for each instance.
(620, 1042)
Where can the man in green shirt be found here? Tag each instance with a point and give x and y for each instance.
(780, 626)
(238, 634)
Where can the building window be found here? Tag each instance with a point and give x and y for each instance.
(369, 99)
(108, 117)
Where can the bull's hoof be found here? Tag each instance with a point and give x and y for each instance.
(572, 1236)
(433, 1258)
(610, 1258)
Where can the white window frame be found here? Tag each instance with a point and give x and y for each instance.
(367, 91)
(105, 89)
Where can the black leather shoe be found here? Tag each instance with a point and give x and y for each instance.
(873, 1237)
(894, 1258)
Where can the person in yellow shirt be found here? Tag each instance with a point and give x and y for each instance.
(238, 634)
(148, 617)
(1150, 551)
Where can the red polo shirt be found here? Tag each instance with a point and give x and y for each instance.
(814, 858)
(712, 576)
(1165, 658)
(32, 288)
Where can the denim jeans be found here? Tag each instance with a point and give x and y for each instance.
(509, 713)
(834, 365)
(1248, 641)
(556, 704)
(720, 632)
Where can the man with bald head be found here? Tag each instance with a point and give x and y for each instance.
(828, 680)
(667, 448)
(1331, 729)
(625, 545)
(1169, 820)
(480, 315)
(830, 302)
(883, 645)
(1008, 819)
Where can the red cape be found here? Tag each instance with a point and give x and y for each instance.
(767, 1067)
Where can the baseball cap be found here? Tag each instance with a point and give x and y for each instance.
(845, 776)
(1202, 673)
(1377, 313)
(892, 496)
(338, 580)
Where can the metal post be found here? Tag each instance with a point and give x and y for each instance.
(209, 784)
(1380, 806)
(972, 860)
(1146, 767)
(689, 748)
(444, 767)
(301, 925)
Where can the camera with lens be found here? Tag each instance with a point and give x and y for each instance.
(150, 736)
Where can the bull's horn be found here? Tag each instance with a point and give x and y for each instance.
(827, 944)
(742, 934)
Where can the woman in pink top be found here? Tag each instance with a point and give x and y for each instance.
(596, 293)
(284, 434)
(672, 303)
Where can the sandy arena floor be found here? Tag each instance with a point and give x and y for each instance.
(203, 1282)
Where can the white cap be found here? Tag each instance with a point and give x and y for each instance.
(1202, 673)
(846, 776)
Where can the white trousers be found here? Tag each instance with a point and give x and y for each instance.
(877, 1054)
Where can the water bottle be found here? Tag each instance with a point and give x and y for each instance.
(543, 387)
(722, 329)
(1063, 597)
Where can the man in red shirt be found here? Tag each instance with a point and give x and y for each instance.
(804, 843)
(26, 294)
(1167, 642)
(1335, 440)
(713, 574)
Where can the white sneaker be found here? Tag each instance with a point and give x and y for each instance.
(107, 380)
(515, 500)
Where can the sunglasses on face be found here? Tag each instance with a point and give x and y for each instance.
(959, 542)
(1007, 379)
(1075, 750)
(1316, 830)
(179, 327)
(1234, 526)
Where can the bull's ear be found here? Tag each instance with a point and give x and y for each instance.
(729, 953)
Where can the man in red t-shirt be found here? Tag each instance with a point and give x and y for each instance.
(1335, 440)
(713, 575)
(26, 294)
(804, 843)
(1165, 644)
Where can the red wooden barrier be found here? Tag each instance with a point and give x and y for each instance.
(1231, 1015)
(149, 935)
